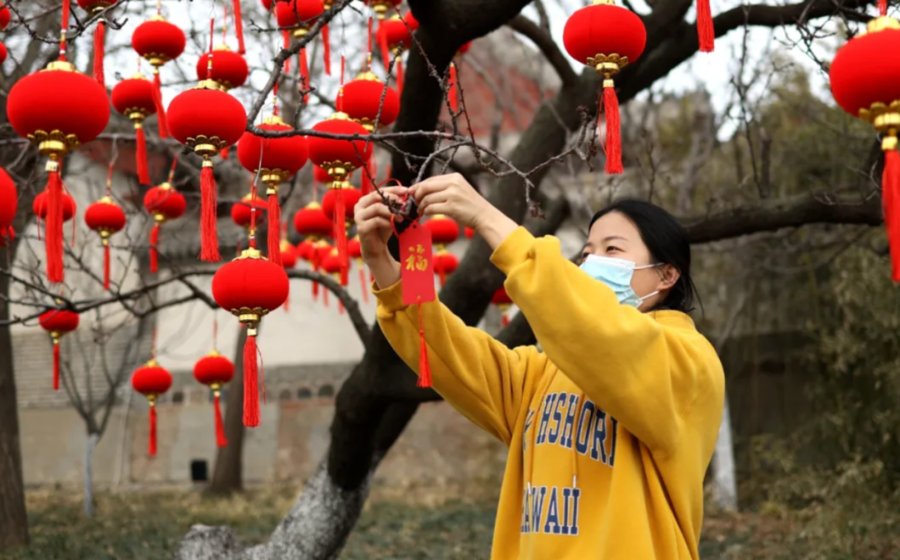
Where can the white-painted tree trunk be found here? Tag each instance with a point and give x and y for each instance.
(724, 485)
(89, 445)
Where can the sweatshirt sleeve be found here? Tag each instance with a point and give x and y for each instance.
(645, 374)
(477, 374)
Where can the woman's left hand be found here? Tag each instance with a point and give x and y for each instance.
(453, 196)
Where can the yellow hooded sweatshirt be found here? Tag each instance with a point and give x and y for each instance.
(610, 429)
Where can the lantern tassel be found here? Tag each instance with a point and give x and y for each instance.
(613, 132)
(140, 154)
(99, 46)
(151, 445)
(56, 365)
(239, 29)
(304, 74)
(890, 186)
(221, 440)
(442, 274)
(504, 320)
(106, 259)
(209, 240)
(882, 7)
(706, 33)
(154, 248)
(399, 75)
(453, 89)
(424, 368)
(54, 224)
(340, 234)
(273, 233)
(158, 101)
(251, 381)
(326, 50)
(362, 284)
(325, 297)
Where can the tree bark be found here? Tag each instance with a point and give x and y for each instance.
(228, 470)
(89, 445)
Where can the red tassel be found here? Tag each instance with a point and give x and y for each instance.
(304, 74)
(504, 320)
(221, 440)
(340, 235)
(882, 7)
(613, 132)
(424, 368)
(209, 240)
(151, 446)
(366, 186)
(325, 297)
(385, 51)
(140, 154)
(106, 266)
(363, 287)
(251, 381)
(326, 50)
(890, 193)
(56, 366)
(239, 28)
(273, 234)
(154, 250)
(54, 224)
(99, 42)
(158, 101)
(453, 93)
(706, 33)
(224, 153)
(443, 277)
(399, 75)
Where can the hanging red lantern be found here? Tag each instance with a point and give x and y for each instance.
(274, 161)
(135, 99)
(306, 249)
(298, 16)
(445, 264)
(242, 209)
(94, 7)
(354, 251)
(249, 287)
(58, 322)
(57, 124)
(444, 230)
(331, 263)
(40, 208)
(3, 53)
(9, 202)
(608, 38)
(865, 82)
(338, 204)
(312, 221)
(267, 4)
(502, 300)
(158, 42)
(215, 370)
(227, 68)
(106, 218)
(288, 254)
(5, 17)
(468, 232)
(361, 99)
(381, 7)
(394, 37)
(151, 380)
(163, 203)
(207, 120)
(320, 175)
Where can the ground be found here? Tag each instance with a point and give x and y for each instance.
(141, 525)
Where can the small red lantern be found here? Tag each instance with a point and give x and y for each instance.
(242, 209)
(223, 66)
(306, 249)
(249, 287)
(274, 161)
(444, 230)
(608, 38)
(106, 218)
(382, 7)
(445, 264)
(207, 120)
(158, 41)
(3, 53)
(151, 380)
(57, 124)
(312, 221)
(338, 204)
(163, 203)
(9, 202)
(394, 37)
(468, 232)
(215, 370)
(5, 17)
(58, 322)
(865, 82)
(502, 300)
(298, 16)
(288, 254)
(339, 157)
(94, 7)
(361, 99)
(135, 98)
(321, 175)
(40, 208)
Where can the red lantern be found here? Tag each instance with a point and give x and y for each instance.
(865, 81)
(274, 161)
(312, 221)
(338, 205)
(5, 17)
(56, 124)
(361, 99)
(339, 157)
(95, 7)
(249, 287)
(502, 300)
(267, 4)
(242, 209)
(9, 201)
(58, 322)
(445, 264)
(40, 209)
(382, 7)
(3, 53)
(135, 98)
(106, 218)
(158, 41)
(468, 232)
(394, 37)
(163, 203)
(608, 38)
(151, 380)
(223, 66)
(444, 230)
(298, 16)
(207, 120)
(306, 249)
(288, 254)
(215, 370)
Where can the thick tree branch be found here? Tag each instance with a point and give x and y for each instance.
(542, 40)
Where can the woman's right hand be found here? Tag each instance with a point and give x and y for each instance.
(373, 225)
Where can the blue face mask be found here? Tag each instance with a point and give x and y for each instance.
(617, 273)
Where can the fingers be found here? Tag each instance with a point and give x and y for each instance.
(431, 199)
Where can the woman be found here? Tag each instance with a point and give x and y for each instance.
(611, 428)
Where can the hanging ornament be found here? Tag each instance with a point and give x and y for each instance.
(206, 119)
(241, 211)
(40, 208)
(443, 229)
(298, 16)
(865, 82)
(273, 161)
(338, 204)
(135, 98)
(227, 68)
(381, 7)
(288, 254)
(361, 100)
(215, 370)
(57, 322)
(468, 232)
(332, 265)
(502, 300)
(608, 38)
(9, 201)
(106, 218)
(445, 264)
(311, 222)
(159, 42)
(164, 203)
(3, 53)
(151, 380)
(354, 251)
(94, 7)
(394, 37)
(267, 4)
(238, 26)
(5, 16)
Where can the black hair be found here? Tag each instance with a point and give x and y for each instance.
(668, 243)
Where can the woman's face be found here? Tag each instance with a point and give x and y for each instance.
(614, 235)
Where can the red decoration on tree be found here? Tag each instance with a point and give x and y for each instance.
(5, 17)
(3, 53)
(333, 265)
(106, 218)
(206, 119)
(468, 232)
(361, 100)
(354, 251)
(445, 264)
(164, 203)
(298, 16)
(58, 322)
(9, 202)
(151, 380)
(40, 208)
(227, 68)
(241, 210)
(381, 7)
(706, 32)
(865, 82)
(249, 287)
(502, 300)
(135, 98)
(215, 370)
(338, 204)
(312, 222)
(444, 230)
(239, 26)
(608, 38)
(158, 41)
(56, 124)
(394, 37)
(94, 7)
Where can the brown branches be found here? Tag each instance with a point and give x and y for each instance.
(549, 48)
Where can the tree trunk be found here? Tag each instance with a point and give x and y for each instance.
(89, 446)
(228, 471)
(724, 486)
